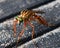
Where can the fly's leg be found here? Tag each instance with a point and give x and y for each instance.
(32, 29)
(21, 33)
(14, 27)
(33, 33)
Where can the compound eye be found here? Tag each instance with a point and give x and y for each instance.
(21, 19)
(16, 18)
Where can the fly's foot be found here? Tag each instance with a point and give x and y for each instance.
(50, 25)
(14, 34)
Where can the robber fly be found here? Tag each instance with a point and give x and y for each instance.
(27, 16)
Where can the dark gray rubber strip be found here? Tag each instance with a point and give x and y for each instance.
(48, 40)
(10, 8)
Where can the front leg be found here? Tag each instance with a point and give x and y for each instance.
(14, 27)
(21, 33)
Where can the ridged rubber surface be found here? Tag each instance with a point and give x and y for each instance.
(52, 15)
(8, 7)
(48, 40)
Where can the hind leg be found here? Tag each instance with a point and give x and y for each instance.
(32, 29)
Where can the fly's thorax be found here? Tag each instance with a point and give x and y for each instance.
(26, 14)
(25, 17)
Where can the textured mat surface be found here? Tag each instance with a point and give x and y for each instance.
(52, 15)
(48, 40)
(8, 7)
